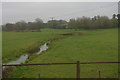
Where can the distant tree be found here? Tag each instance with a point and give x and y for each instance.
(114, 16)
(30, 26)
(114, 23)
(62, 24)
(38, 24)
(118, 16)
(80, 23)
(97, 22)
(103, 22)
(8, 27)
(38, 20)
(95, 18)
(52, 23)
(85, 23)
(21, 25)
(72, 24)
(56, 24)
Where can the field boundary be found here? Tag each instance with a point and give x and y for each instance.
(77, 66)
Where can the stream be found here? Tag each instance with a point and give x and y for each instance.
(24, 57)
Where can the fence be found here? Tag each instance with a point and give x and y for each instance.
(77, 66)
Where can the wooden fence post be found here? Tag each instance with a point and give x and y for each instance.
(39, 75)
(99, 74)
(78, 70)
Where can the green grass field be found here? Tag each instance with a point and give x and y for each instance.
(85, 46)
(18, 43)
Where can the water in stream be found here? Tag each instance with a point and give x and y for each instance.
(24, 57)
(20, 60)
(43, 48)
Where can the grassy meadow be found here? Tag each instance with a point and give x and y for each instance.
(84, 46)
(18, 43)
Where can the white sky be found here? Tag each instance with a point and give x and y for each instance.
(28, 11)
(59, 0)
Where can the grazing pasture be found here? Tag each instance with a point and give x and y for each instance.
(18, 43)
(84, 46)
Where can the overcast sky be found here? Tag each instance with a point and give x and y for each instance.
(29, 11)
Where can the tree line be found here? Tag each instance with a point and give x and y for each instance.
(97, 22)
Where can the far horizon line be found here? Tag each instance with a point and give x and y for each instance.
(53, 19)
